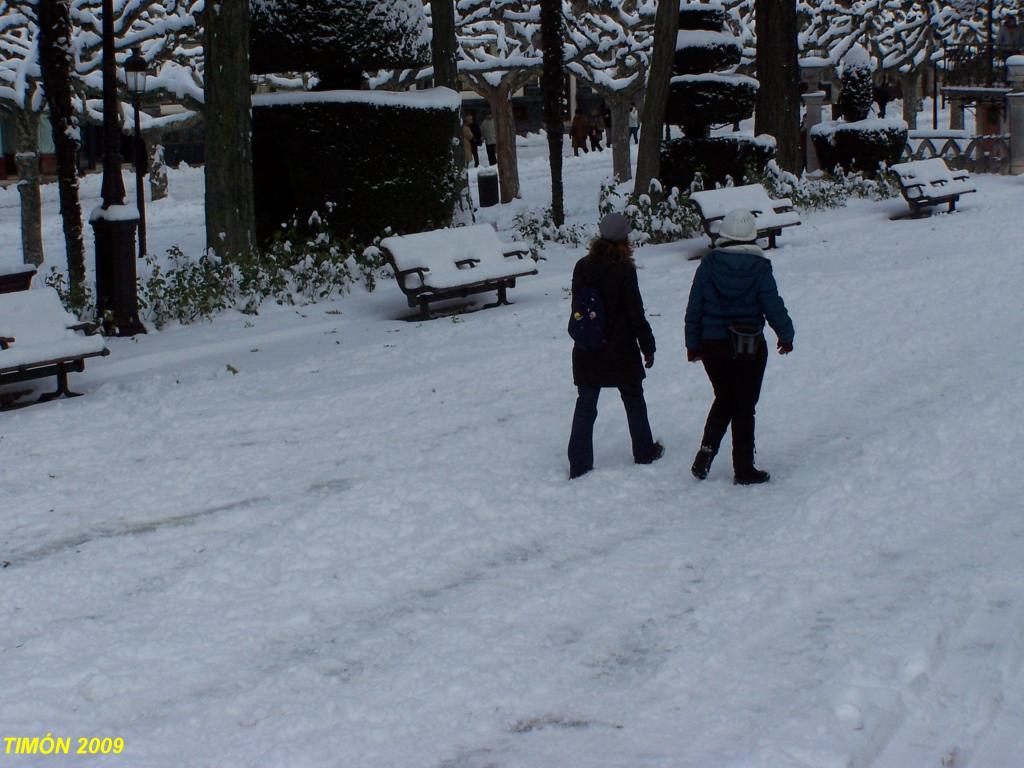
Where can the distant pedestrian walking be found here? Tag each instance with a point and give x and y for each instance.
(733, 292)
(596, 131)
(467, 140)
(883, 95)
(477, 139)
(611, 332)
(579, 132)
(634, 125)
(490, 135)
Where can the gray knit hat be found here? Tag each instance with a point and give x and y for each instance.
(615, 227)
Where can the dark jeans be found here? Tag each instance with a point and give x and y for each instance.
(492, 153)
(476, 155)
(634, 133)
(737, 385)
(581, 442)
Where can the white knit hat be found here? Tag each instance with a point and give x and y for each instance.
(738, 226)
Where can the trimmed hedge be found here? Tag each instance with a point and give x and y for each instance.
(338, 39)
(695, 16)
(363, 166)
(854, 147)
(692, 60)
(714, 159)
(709, 102)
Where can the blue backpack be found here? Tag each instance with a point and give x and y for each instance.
(586, 324)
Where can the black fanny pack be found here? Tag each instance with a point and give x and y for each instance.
(746, 340)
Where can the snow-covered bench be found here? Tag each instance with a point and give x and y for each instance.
(453, 263)
(39, 338)
(771, 216)
(17, 278)
(925, 183)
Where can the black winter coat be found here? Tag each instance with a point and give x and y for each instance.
(626, 328)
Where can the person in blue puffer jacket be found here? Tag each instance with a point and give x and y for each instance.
(734, 285)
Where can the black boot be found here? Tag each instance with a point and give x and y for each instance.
(702, 462)
(751, 476)
(657, 451)
(744, 471)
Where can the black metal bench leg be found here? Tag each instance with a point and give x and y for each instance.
(502, 295)
(62, 387)
(424, 309)
(952, 205)
(771, 240)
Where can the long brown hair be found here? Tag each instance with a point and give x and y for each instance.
(620, 252)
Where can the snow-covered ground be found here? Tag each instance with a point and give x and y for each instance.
(362, 550)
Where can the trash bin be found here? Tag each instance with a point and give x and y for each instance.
(487, 187)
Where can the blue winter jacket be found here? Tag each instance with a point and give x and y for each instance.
(734, 283)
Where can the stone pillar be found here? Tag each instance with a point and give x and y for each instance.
(813, 103)
(1015, 106)
(956, 113)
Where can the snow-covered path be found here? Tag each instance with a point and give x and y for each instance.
(362, 550)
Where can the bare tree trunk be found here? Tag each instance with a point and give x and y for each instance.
(778, 99)
(551, 84)
(27, 127)
(56, 58)
(500, 101)
(659, 78)
(157, 169)
(230, 210)
(621, 145)
(910, 82)
(443, 47)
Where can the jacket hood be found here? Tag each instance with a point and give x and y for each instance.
(735, 269)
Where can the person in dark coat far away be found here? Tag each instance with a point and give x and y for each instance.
(609, 268)
(579, 132)
(734, 283)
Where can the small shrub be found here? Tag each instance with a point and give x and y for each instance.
(655, 217)
(78, 300)
(538, 228)
(821, 193)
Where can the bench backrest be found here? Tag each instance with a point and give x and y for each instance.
(442, 247)
(40, 325)
(716, 203)
(931, 171)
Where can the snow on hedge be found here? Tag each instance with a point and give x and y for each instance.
(829, 128)
(714, 77)
(428, 98)
(705, 38)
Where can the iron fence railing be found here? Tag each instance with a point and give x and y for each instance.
(961, 150)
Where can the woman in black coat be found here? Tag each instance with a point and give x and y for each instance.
(609, 269)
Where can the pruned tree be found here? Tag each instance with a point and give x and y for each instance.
(659, 78)
(611, 44)
(57, 61)
(778, 71)
(499, 53)
(445, 71)
(21, 96)
(552, 25)
(230, 208)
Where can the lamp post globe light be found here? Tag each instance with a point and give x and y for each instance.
(113, 223)
(135, 71)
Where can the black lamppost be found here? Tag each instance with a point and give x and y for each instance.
(135, 76)
(113, 223)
